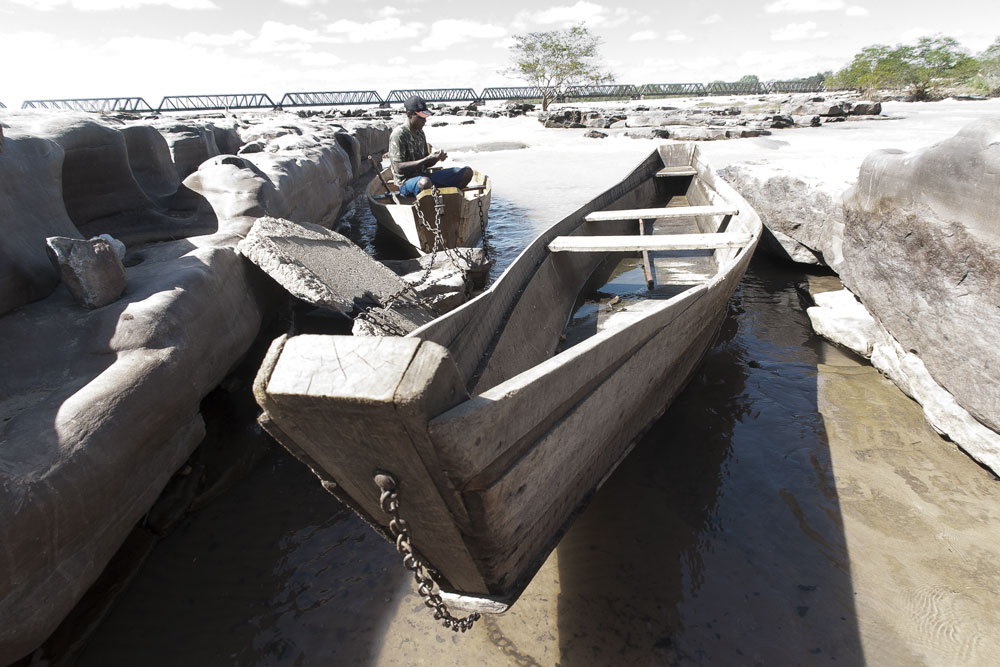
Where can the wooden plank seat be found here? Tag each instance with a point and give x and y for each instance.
(668, 172)
(661, 213)
(649, 243)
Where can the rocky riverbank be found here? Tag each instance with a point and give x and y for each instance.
(915, 242)
(103, 405)
(103, 379)
(711, 123)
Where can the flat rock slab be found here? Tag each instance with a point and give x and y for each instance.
(326, 269)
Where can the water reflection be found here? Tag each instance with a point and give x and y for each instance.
(719, 540)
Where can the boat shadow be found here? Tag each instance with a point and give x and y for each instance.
(719, 540)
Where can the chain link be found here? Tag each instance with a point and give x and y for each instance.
(381, 321)
(426, 586)
(482, 218)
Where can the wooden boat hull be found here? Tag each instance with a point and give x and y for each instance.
(496, 435)
(463, 220)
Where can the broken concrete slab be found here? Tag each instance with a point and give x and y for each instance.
(328, 270)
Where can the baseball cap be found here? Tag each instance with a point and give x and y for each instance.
(417, 105)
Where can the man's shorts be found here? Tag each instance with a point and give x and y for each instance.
(443, 178)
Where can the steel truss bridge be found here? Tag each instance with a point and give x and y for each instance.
(332, 98)
(672, 90)
(434, 95)
(511, 93)
(363, 97)
(91, 104)
(612, 91)
(216, 102)
(796, 87)
(734, 88)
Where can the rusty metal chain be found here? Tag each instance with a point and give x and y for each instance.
(439, 243)
(426, 586)
(411, 288)
(482, 218)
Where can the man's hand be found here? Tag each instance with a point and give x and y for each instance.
(434, 158)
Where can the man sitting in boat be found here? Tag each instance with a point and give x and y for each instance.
(411, 160)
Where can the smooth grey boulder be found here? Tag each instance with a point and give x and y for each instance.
(805, 223)
(33, 210)
(922, 249)
(814, 107)
(151, 161)
(841, 318)
(99, 408)
(190, 144)
(91, 270)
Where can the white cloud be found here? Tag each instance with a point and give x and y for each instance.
(217, 39)
(855, 10)
(644, 36)
(112, 5)
(582, 11)
(376, 31)
(318, 59)
(803, 6)
(448, 32)
(304, 3)
(677, 36)
(797, 31)
(709, 20)
(276, 37)
(783, 65)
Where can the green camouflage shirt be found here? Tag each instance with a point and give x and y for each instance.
(406, 145)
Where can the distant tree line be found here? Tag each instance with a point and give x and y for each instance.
(556, 59)
(925, 70)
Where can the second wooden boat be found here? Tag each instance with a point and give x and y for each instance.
(415, 221)
(491, 426)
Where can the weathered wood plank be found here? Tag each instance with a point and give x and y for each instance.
(637, 243)
(347, 402)
(488, 431)
(668, 172)
(647, 267)
(665, 212)
(537, 495)
(470, 330)
(530, 504)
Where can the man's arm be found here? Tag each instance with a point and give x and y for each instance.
(415, 167)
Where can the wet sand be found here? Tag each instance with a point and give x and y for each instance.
(792, 507)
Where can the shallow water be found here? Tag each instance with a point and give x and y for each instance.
(791, 507)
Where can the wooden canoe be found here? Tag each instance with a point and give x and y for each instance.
(498, 420)
(463, 219)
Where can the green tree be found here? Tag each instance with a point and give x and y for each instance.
(555, 59)
(987, 78)
(922, 69)
(934, 63)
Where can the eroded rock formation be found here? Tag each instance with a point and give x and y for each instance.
(922, 250)
(100, 407)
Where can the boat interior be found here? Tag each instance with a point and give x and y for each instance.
(675, 232)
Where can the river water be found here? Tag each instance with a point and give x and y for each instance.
(791, 507)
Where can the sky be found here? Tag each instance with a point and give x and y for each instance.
(58, 49)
